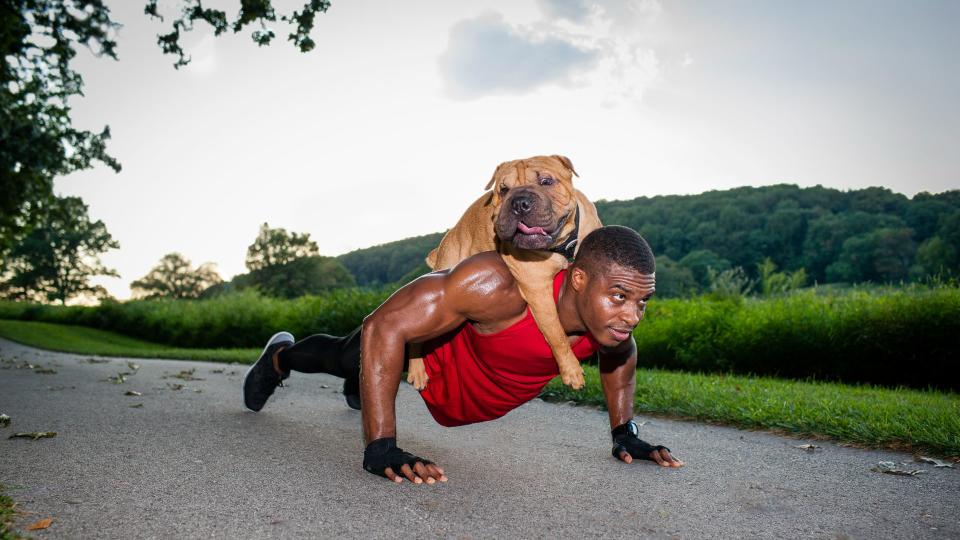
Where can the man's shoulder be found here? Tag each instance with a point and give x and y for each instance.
(484, 282)
(486, 268)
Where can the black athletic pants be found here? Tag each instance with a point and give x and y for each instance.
(322, 353)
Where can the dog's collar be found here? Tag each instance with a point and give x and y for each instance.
(569, 245)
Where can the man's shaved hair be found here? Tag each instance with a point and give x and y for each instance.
(615, 244)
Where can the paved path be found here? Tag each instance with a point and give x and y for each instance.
(193, 463)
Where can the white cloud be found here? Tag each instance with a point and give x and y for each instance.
(604, 45)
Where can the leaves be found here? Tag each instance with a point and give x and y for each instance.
(46, 371)
(4, 420)
(808, 447)
(890, 467)
(132, 393)
(175, 277)
(34, 435)
(92, 360)
(133, 366)
(175, 386)
(137, 406)
(41, 524)
(935, 462)
(119, 378)
(186, 375)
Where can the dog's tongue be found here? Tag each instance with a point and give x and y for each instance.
(531, 230)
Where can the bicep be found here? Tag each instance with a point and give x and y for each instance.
(420, 310)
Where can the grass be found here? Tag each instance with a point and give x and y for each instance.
(83, 340)
(903, 419)
(8, 511)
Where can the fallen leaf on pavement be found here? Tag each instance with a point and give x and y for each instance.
(197, 390)
(808, 447)
(137, 406)
(97, 361)
(934, 462)
(890, 467)
(133, 366)
(42, 524)
(216, 371)
(47, 371)
(33, 435)
(4, 420)
(132, 393)
(186, 375)
(175, 386)
(116, 379)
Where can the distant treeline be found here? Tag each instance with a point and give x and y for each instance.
(866, 235)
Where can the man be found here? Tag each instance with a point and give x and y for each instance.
(482, 350)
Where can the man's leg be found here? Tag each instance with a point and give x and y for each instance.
(321, 353)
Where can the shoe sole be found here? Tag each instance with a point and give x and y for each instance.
(271, 341)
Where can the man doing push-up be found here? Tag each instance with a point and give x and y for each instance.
(482, 350)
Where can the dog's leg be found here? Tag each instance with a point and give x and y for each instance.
(416, 372)
(534, 272)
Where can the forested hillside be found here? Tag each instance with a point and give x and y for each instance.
(863, 235)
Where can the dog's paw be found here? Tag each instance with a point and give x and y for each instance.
(573, 378)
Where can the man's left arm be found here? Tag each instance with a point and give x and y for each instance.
(618, 375)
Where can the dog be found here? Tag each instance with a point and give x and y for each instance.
(533, 216)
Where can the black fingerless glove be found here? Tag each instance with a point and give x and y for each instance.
(383, 453)
(625, 439)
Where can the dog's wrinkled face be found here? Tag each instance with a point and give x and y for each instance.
(535, 200)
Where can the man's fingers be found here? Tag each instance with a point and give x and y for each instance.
(392, 475)
(655, 455)
(436, 472)
(423, 472)
(408, 472)
(625, 457)
(674, 462)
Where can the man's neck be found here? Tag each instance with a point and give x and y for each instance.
(567, 308)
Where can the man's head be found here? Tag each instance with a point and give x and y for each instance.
(613, 276)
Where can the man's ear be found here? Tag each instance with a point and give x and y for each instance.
(578, 278)
(567, 163)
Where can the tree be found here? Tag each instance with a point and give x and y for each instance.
(881, 255)
(773, 282)
(175, 277)
(60, 254)
(38, 41)
(299, 277)
(701, 261)
(674, 280)
(274, 247)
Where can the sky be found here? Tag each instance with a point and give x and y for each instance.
(392, 126)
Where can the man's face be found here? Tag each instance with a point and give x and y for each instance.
(612, 301)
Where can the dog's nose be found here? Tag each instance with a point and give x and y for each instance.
(522, 204)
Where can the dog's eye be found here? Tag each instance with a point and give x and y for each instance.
(503, 189)
(546, 181)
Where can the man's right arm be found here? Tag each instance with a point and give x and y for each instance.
(425, 308)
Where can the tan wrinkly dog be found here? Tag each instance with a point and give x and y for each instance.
(531, 209)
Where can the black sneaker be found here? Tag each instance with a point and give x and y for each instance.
(351, 391)
(261, 379)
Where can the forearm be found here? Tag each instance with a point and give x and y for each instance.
(381, 363)
(619, 379)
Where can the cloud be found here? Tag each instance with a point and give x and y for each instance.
(486, 55)
(572, 10)
(604, 46)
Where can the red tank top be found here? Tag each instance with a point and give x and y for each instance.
(477, 377)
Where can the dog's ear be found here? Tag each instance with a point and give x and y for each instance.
(494, 177)
(567, 163)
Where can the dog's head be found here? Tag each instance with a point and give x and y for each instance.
(534, 201)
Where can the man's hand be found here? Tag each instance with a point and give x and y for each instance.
(627, 446)
(382, 457)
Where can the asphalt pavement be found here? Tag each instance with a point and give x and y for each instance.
(186, 460)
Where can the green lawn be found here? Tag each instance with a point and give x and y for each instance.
(83, 340)
(918, 420)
